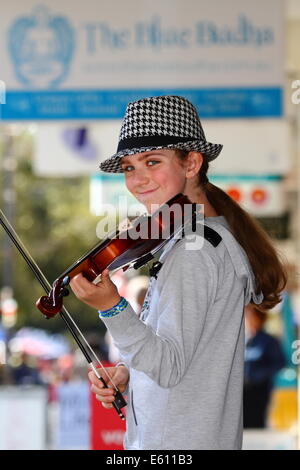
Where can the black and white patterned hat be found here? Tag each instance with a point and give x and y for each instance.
(169, 122)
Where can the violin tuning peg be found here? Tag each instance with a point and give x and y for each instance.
(66, 281)
(64, 292)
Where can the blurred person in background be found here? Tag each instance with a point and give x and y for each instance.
(24, 371)
(264, 358)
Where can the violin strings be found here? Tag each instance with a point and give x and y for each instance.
(46, 285)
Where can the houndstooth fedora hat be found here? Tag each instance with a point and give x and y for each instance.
(169, 122)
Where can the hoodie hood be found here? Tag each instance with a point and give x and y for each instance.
(239, 258)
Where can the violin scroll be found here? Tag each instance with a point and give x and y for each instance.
(50, 305)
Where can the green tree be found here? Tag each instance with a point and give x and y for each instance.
(52, 219)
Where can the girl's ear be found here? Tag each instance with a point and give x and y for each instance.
(193, 164)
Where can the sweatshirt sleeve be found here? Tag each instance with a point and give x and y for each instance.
(187, 286)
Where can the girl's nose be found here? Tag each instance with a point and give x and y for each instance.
(141, 177)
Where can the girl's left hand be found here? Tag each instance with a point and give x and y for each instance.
(102, 296)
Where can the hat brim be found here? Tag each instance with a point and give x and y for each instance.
(113, 164)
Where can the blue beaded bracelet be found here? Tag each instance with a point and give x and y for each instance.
(111, 312)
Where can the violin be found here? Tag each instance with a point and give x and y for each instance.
(133, 247)
(120, 250)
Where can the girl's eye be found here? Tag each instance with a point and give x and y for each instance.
(127, 168)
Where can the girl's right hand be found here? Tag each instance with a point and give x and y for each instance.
(120, 377)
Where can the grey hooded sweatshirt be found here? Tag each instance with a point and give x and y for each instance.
(185, 353)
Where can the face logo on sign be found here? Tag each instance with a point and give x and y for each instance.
(41, 47)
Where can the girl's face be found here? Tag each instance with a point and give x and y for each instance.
(154, 177)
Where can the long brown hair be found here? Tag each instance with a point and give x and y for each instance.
(269, 271)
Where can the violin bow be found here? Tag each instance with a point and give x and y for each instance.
(78, 336)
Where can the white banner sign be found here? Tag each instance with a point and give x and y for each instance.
(70, 149)
(23, 418)
(250, 146)
(86, 60)
(269, 439)
(74, 414)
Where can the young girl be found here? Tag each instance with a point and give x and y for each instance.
(183, 357)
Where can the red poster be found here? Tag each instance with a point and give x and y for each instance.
(107, 429)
